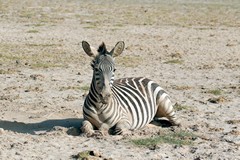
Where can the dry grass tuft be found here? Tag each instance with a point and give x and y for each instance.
(177, 138)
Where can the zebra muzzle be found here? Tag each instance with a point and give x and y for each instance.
(105, 98)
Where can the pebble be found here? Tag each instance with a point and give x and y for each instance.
(37, 76)
(95, 153)
(1, 131)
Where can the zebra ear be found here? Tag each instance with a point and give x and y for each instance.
(91, 52)
(118, 49)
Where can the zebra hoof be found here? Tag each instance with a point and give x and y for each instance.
(88, 134)
(119, 131)
(93, 134)
(97, 134)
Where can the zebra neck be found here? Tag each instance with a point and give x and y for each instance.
(93, 92)
(94, 97)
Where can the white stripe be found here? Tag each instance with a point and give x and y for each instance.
(144, 106)
(169, 107)
(163, 97)
(150, 116)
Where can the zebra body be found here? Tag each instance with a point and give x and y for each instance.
(124, 104)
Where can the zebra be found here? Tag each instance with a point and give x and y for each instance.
(124, 104)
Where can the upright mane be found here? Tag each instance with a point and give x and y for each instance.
(102, 49)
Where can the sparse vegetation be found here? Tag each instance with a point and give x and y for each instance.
(164, 13)
(43, 45)
(45, 65)
(90, 27)
(215, 92)
(82, 155)
(92, 154)
(85, 88)
(2, 71)
(182, 87)
(174, 61)
(178, 138)
(36, 55)
(8, 71)
(38, 25)
(32, 31)
(179, 107)
(178, 32)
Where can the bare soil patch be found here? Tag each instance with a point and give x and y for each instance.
(192, 49)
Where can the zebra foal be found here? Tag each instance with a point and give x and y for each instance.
(124, 104)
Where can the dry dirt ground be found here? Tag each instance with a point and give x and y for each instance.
(191, 48)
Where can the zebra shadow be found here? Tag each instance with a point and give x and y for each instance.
(72, 126)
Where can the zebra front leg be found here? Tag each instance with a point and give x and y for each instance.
(165, 109)
(87, 128)
(103, 130)
(122, 128)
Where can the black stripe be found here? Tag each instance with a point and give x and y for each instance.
(132, 102)
(88, 103)
(122, 100)
(92, 97)
(86, 114)
(139, 105)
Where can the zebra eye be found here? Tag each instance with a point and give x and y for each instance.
(96, 69)
(114, 70)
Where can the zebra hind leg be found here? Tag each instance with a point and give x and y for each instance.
(165, 109)
(122, 128)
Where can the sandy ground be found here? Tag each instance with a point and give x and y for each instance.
(191, 48)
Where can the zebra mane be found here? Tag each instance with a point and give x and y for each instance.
(102, 49)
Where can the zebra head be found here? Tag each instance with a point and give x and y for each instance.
(103, 68)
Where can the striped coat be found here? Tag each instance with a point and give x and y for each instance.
(124, 104)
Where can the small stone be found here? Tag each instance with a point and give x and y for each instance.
(1, 131)
(233, 121)
(195, 127)
(17, 153)
(217, 100)
(234, 132)
(165, 46)
(95, 153)
(73, 131)
(193, 150)
(37, 76)
(230, 44)
(211, 35)
(197, 158)
(17, 61)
